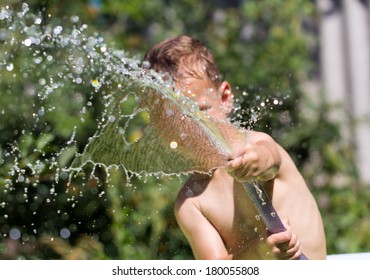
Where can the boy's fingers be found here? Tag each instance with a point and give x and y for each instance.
(280, 239)
(235, 164)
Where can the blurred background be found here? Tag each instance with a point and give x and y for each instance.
(311, 56)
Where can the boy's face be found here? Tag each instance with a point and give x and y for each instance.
(215, 102)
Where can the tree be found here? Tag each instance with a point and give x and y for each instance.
(52, 102)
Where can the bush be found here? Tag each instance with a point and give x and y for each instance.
(47, 115)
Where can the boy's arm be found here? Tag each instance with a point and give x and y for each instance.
(204, 239)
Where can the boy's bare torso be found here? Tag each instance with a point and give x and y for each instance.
(226, 205)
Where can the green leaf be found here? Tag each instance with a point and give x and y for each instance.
(66, 156)
(44, 140)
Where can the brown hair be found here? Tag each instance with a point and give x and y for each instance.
(183, 57)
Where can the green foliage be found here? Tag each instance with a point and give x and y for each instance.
(261, 48)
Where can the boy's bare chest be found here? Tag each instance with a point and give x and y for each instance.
(229, 209)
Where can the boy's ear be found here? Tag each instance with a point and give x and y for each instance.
(227, 97)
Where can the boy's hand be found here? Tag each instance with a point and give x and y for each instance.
(285, 245)
(255, 162)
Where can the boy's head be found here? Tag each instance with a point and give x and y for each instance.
(193, 69)
(183, 57)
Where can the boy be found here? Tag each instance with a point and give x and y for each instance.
(214, 210)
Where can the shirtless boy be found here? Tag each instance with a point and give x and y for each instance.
(214, 210)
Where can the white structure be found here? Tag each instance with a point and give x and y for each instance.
(345, 68)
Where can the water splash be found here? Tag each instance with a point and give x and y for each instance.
(105, 123)
(104, 85)
(120, 84)
(93, 74)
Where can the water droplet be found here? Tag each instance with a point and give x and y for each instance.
(27, 42)
(25, 7)
(95, 83)
(169, 113)
(15, 233)
(189, 193)
(42, 81)
(37, 60)
(41, 112)
(20, 178)
(101, 194)
(65, 233)
(58, 30)
(173, 145)
(10, 67)
(75, 19)
(63, 175)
